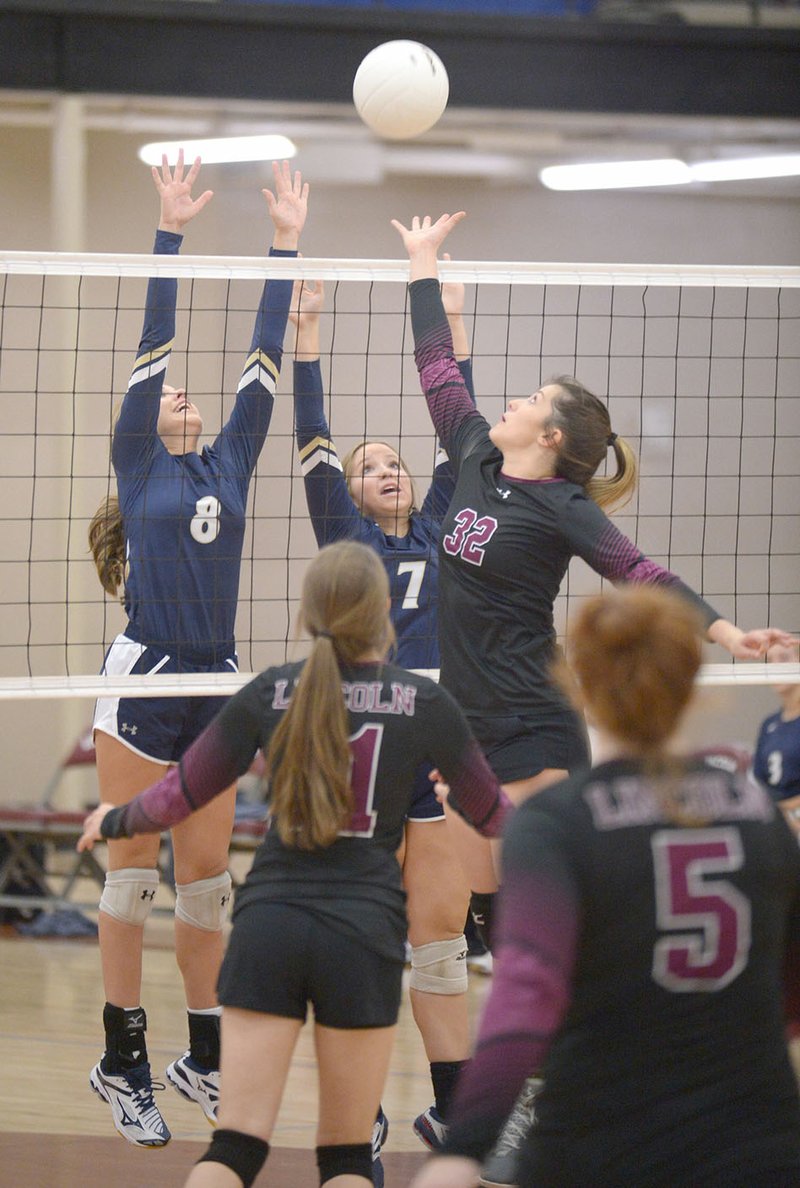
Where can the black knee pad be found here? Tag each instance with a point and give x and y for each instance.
(345, 1159)
(244, 1154)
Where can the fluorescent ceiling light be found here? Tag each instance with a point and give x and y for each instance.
(616, 175)
(221, 149)
(621, 175)
(744, 168)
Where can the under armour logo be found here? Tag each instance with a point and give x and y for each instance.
(126, 729)
(147, 895)
(503, 494)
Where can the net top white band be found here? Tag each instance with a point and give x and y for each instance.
(113, 264)
(223, 684)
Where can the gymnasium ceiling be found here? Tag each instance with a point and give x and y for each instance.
(644, 81)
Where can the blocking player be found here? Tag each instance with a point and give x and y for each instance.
(172, 539)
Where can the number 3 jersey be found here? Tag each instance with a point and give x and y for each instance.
(776, 759)
(639, 966)
(184, 516)
(398, 721)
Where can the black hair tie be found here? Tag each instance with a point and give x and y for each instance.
(612, 437)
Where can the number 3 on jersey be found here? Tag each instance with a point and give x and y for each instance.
(470, 536)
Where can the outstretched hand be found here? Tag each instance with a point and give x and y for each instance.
(308, 300)
(288, 206)
(91, 828)
(424, 237)
(175, 192)
(754, 645)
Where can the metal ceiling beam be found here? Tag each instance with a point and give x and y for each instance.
(298, 52)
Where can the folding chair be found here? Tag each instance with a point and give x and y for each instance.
(28, 835)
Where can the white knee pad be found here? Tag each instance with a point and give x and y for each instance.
(128, 894)
(440, 967)
(204, 903)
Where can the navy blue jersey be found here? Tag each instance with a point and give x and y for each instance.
(411, 561)
(398, 721)
(505, 546)
(776, 762)
(184, 516)
(639, 967)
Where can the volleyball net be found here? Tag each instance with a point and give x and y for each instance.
(700, 368)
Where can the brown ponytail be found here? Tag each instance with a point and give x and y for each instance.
(585, 440)
(345, 608)
(107, 545)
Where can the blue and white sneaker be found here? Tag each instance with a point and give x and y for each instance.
(130, 1095)
(379, 1132)
(431, 1128)
(196, 1084)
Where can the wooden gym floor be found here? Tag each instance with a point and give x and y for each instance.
(55, 1133)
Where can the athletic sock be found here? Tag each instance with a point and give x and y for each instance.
(204, 1037)
(444, 1074)
(125, 1038)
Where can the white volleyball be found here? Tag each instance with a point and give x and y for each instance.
(400, 89)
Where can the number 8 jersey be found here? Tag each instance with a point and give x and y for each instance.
(184, 515)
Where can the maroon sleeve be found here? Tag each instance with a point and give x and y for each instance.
(446, 393)
(537, 931)
(214, 761)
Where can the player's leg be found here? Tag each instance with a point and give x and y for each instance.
(352, 1072)
(203, 890)
(438, 897)
(355, 985)
(256, 1055)
(122, 1077)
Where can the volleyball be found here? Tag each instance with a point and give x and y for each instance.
(400, 89)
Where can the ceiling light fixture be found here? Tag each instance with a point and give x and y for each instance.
(668, 171)
(221, 150)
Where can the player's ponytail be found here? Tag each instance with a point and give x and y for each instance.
(107, 545)
(344, 606)
(586, 438)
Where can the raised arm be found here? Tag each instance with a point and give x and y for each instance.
(442, 486)
(334, 515)
(247, 428)
(448, 401)
(136, 425)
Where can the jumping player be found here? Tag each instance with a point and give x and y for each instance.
(370, 496)
(173, 539)
(320, 918)
(647, 909)
(526, 501)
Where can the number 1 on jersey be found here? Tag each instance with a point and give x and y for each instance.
(365, 747)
